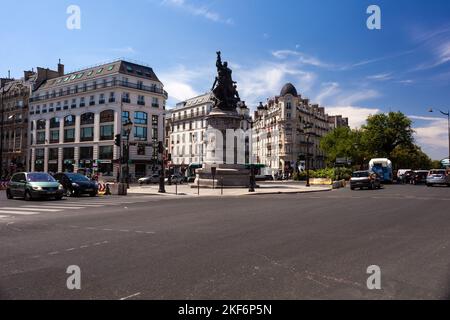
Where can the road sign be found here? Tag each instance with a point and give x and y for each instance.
(445, 162)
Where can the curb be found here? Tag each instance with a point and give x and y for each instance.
(235, 195)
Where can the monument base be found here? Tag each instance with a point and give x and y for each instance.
(228, 175)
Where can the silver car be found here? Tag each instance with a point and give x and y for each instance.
(150, 179)
(438, 177)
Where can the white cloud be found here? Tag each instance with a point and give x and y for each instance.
(352, 98)
(381, 76)
(181, 83)
(328, 90)
(301, 58)
(357, 116)
(267, 78)
(432, 135)
(201, 11)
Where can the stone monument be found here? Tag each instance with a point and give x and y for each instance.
(223, 163)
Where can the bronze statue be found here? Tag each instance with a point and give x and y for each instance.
(224, 88)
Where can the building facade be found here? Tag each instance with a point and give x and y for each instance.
(287, 132)
(74, 119)
(186, 126)
(14, 98)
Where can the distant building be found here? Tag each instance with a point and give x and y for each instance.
(74, 119)
(280, 127)
(186, 126)
(14, 97)
(337, 121)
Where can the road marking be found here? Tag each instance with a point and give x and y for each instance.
(25, 213)
(130, 296)
(31, 209)
(55, 207)
(84, 205)
(1, 217)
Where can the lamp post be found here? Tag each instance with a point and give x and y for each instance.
(448, 119)
(127, 126)
(308, 138)
(162, 176)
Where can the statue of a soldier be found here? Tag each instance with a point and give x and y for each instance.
(224, 88)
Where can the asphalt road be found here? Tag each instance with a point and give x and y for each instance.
(304, 246)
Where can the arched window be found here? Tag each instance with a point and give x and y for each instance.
(54, 122)
(40, 124)
(87, 118)
(69, 121)
(107, 116)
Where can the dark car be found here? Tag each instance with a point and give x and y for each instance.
(75, 184)
(34, 185)
(419, 177)
(365, 179)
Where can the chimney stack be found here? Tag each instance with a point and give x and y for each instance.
(60, 68)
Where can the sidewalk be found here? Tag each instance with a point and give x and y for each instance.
(185, 190)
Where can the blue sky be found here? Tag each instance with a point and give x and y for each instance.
(322, 46)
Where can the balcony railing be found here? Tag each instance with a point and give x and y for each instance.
(109, 84)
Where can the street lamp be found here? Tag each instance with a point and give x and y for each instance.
(127, 127)
(448, 119)
(308, 137)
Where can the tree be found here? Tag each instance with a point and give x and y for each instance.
(411, 158)
(343, 142)
(385, 132)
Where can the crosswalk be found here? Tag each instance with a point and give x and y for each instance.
(13, 208)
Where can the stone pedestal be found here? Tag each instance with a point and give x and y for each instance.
(228, 171)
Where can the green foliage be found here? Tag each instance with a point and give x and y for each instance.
(436, 164)
(384, 136)
(385, 132)
(410, 157)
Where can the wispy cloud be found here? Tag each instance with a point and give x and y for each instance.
(436, 42)
(201, 11)
(328, 90)
(301, 58)
(380, 77)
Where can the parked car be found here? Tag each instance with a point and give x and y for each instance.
(190, 179)
(419, 177)
(365, 179)
(76, 184)
(175, 178)
(154, 178)
(34, 185)
(400, 174)
(438, 177)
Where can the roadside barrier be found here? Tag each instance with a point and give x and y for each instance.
(104, 189)
(4, 185)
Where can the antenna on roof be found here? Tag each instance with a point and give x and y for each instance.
(9, 74)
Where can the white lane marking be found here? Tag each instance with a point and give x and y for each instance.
(84, 205)
(1, 217)
(131, 296)
(71, 249)
(25, 213)
(31, 209)
(55, 207)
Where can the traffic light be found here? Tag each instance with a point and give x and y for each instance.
(117, 140)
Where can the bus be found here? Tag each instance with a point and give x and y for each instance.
(382, 167)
